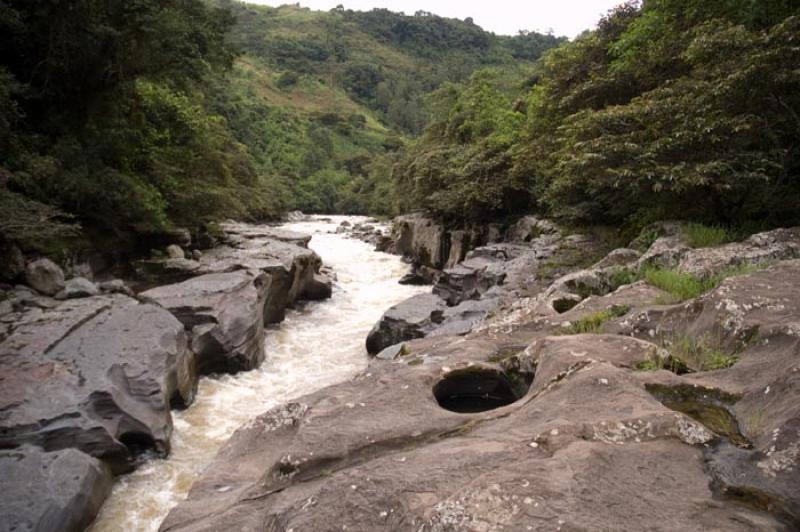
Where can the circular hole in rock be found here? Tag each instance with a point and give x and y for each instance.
(478, 390)
(564, 304)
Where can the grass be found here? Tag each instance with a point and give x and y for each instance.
(680, 286)
(592, 323)
(704, 353)
(704, 236)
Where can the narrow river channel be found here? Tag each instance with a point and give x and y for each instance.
(318, 344)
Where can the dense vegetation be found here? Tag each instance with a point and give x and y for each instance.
(671, 108)
(105, 119)
(127, 119)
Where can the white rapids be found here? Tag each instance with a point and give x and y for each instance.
(318, 344)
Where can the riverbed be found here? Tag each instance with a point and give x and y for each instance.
(319, 344)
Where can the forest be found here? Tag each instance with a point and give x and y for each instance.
(120, 121)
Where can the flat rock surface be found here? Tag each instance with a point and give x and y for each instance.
(97, 374)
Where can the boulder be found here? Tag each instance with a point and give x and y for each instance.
(98, 374)
(321, 287)
(224, 314)
(78, 287)
(422, 239)
(115, 286)
(414, 279)
(413, 318)
(530, 228)
(60, 491)
(45, 276)
(180, 236)
(175, 252)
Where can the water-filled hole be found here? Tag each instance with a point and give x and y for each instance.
(708, 406)
(477, 390)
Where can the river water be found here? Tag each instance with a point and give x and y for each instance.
(318, 344)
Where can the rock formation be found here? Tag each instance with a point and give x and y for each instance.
(524, 424)
(87, 381)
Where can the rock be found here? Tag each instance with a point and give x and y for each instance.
(78, 287)
(345, 223)
(392, 352)
(224, 314)
(529, 228)
(460, 244)
(760, 249)
(12, 263)
(413, 278)
(175, 252)
(167, 270)
(60, 491)
(115, 286)
(654, 231)
(180, 237)
(619, 257)
(460, 435)
(98, 374)
(296, 216)
(422, 239)
(321, 287)
(413, 318)
(45, 276)
(197, 254)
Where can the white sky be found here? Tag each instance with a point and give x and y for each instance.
(504, 17)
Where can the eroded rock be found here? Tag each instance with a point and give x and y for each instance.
(61, 491)
(413, 318)
(97, 374)
(224, 314)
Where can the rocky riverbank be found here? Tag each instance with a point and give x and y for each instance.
(544, 384)
(89, 372)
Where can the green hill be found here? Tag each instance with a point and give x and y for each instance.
(325, 99)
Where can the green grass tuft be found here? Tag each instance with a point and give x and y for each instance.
(681, 286)
(704, 353)
(704, 236)
(592, 323)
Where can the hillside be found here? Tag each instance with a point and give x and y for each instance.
(345, 90)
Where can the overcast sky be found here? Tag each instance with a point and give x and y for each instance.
(506, 17)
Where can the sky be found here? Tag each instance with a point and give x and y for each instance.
(504, 17)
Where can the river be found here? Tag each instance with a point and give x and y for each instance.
(318, 344)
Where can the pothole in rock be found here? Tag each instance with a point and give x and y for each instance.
(707, 406)
(471, 390)
(563, 304)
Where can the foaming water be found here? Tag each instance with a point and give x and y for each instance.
(318, 344)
